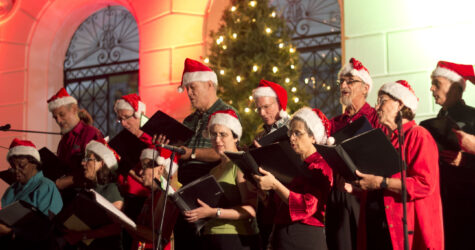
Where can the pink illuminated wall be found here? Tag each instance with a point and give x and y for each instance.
(34, 37)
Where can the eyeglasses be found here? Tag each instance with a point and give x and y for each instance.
(296, 133)
(213, 135)
(120, 120)
(340, 82)
(381, 101)
(87, 159)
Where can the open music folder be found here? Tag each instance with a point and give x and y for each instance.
(369, 152)
(206, 189)
(129, 147)
(90, 210)
(278, 158)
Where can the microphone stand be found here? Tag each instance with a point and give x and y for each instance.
(30, 131)
(403, 167)
(164, 206)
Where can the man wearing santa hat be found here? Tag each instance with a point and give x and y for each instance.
(201, 85)
(75, 136)
(271, 103)
(343, 209)
(457, 168)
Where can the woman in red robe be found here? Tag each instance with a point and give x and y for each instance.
(381, 215)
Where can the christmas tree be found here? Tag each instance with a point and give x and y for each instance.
(254, 43)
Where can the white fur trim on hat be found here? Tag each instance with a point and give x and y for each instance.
(149, 153)
(61, 102)
(199, 76)
(24, 150)
(363, 74)
(449, 74)
(166, 163)
(122, 104)
(398, 91)
(229, 121)
(313, 123)
(104, 152)
(263, 91)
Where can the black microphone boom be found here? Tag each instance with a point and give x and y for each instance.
(7, 127)
(173, 148)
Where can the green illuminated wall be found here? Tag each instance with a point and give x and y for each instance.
(404, 39)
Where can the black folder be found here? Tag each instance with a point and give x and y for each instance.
(206, 189)
(8, 176)
(21, 213)
(161, 123)
(441, 130)
(278, 135)
(246, 163)
(129, 147)
(369, 152)
(53, 167)
(89, 210)
(357, 127)
(278, 158)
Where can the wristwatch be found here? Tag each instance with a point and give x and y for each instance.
(384, 183)
(218, 212)
(193, 155)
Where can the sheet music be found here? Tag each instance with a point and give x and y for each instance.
(111, 208)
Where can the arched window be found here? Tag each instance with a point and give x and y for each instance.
(316, 34)
(102, 64)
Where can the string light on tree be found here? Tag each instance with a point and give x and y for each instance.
(291, 50)
(225, 47)
(206, 60)
(294, 89)
(296, 99)
(251, 24)
(219, 40)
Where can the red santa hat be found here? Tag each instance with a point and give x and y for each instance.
(356, 68)
(226, 118)
(23, 148)
(271, 89)
(195, 71)
(107, 154)
(60, 99)
(130, 102)
(162, 158)
(402, 91)
(318, 123)
(458, 73)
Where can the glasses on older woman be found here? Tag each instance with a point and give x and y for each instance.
(296, 133)
(214, 135)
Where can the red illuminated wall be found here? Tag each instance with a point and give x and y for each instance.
(34, 37)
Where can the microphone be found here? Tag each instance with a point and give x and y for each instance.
(173, 148)
(5, 127)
